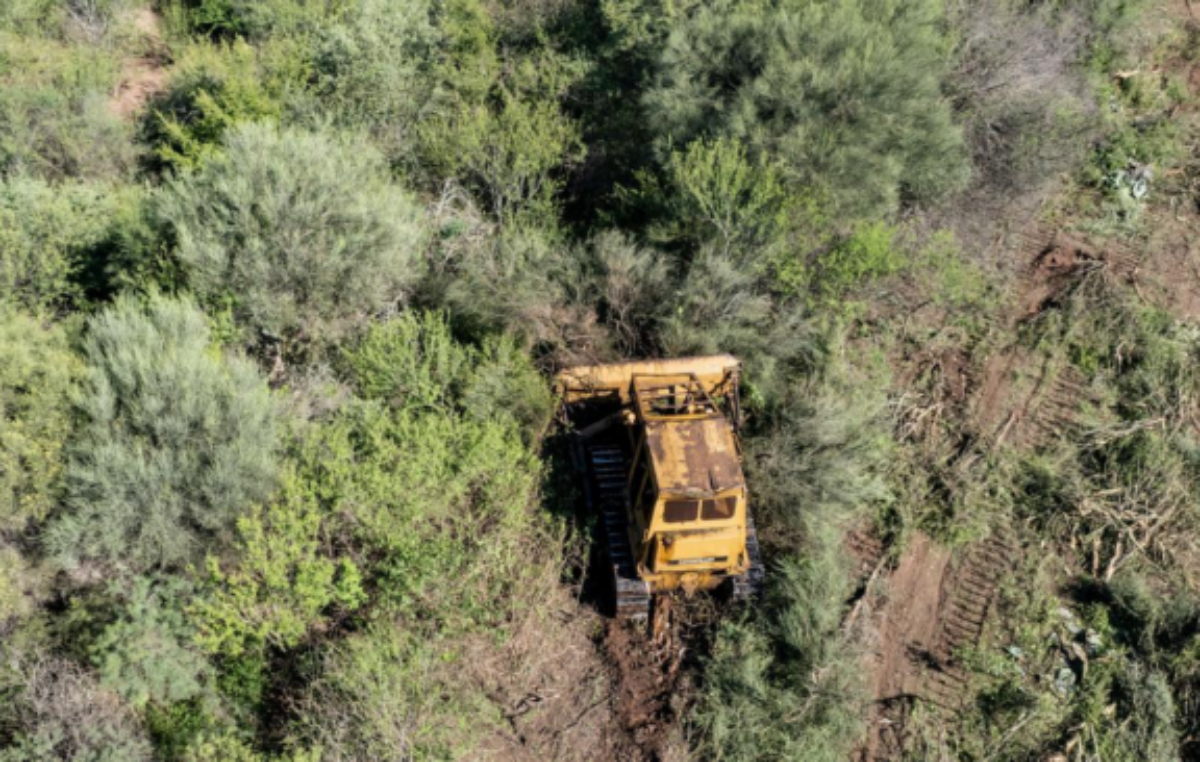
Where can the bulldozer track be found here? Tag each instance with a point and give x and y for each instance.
(750, 584)
(967, 601)
(607, 492)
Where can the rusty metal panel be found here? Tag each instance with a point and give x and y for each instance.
(694, 457)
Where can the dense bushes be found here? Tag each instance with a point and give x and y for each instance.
(789, 685)
(371, 72)
(36, 381)
(49, 234)
(301, 233)
(177, 441)
(54, 117)
(409, 212)
(61, 712)
(869, 129)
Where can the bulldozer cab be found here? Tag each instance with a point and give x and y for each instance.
(687, 487)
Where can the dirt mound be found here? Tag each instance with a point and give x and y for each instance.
(1056, 261)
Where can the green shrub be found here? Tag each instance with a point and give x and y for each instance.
(282, 584)
(55, 121)
(722, 306)
(631, 282)
(19, 587)
(1126, 712)
(845, 93)
(869, 253)
(390, 693)
(50, 235)
(27, 17)
(719, 193)
(413, 363)
(790, 686)
(144, 654)
(497, 124)
(37, 379)
(213, 87)
(399, 479)
(817, 461)
(528, 282)
(176, 442)
(302, 232)
(506, 156)
(372, 72)
(440, 502)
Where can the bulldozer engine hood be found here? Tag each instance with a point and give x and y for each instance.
(694, 458)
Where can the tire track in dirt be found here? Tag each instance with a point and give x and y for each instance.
(934, 607)
(1049, 406)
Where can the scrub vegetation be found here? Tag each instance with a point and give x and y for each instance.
(282, 283)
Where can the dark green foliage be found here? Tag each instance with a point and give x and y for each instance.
(144, 655)
(846, 93)
(176, 441)
(303, 233)
(213, 88)
(254, 18)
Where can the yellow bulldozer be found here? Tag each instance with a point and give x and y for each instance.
(657, 444)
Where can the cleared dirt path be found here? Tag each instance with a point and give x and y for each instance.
(143, 76)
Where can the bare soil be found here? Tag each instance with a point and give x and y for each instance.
(1022, 400)
(649, 666)
(144, 76)
(932, 606)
